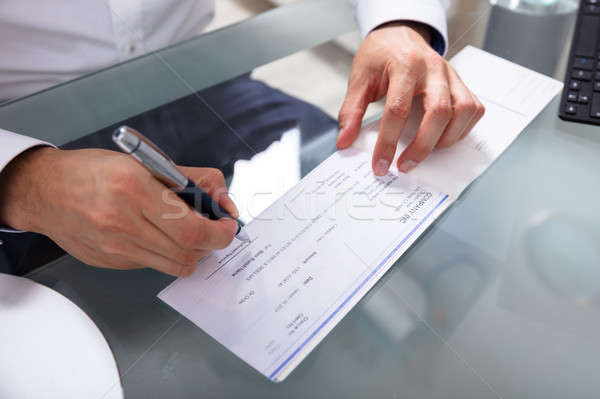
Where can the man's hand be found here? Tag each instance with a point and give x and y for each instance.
(107, 210)
(396, 60)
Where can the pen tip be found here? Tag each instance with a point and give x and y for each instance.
(242, 235)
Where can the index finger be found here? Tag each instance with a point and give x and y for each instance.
(190, 230)
(212, 181)
(352, 112)
(395, 115)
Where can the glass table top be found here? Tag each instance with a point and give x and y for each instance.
(500, 298)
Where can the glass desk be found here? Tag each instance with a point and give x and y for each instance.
(500, 298)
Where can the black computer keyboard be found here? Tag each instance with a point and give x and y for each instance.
(581, 96)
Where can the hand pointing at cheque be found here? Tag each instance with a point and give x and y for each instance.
(397, 61)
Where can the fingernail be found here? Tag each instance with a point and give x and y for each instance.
(234, 211)
(407, 166)
(230, 206)
(381, 167)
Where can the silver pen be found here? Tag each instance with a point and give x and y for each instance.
(132, 142)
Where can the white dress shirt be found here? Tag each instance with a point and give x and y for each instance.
(43, 43)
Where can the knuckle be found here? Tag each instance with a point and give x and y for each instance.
(107, 221)
(188, 257)
(357, 80)
(347, 111)
(125, 179)
(411, 53)
(399, 107)
(212, 179)
(217, 175)
(465, 106)
(414, 71)
(442, 109)
(181, 256)
(436, 62)
(355, 104)
(111, 247)
(480, 110)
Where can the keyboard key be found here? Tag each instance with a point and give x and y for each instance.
(583, 98)
(597, 75)
(588, 35)
(597, 2)
(596, 86)
(595, 108)
(571, 109)
(592, 9)
(583, 75)
(572, 96)
(575, 85)
(584, 63)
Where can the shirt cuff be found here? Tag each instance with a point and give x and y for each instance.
(11, 145)
(370, 14)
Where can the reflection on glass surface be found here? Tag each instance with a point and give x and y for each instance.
(256, 184)
(397, 309)
(572, 268)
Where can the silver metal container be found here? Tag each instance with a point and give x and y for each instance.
(533, 33)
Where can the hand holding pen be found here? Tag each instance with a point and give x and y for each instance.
(163, 168)
(107, 210)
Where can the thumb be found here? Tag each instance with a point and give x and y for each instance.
(351, 114)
